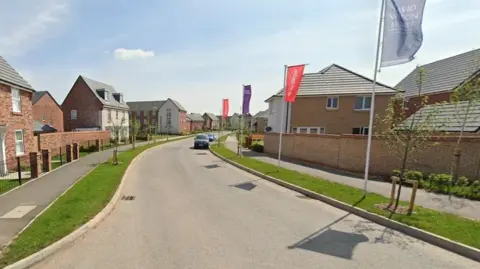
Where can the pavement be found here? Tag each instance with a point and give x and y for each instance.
(458, 206)
(192, 210)
(19, 207)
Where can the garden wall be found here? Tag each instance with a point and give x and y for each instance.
(347, 152)
(54, 141)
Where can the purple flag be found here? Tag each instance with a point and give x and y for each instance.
(247, 93)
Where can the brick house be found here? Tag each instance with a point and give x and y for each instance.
(196, 121)
(441, 78)
(93, 105)
(333, 101)
(210, 121)
(172, 118)
(145, 113)
(47, 110)
(16, 117)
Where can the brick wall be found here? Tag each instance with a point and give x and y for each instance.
(47, 111)
(347, 152)
(195, 125)
(54, 141)
(184, 124)
(16, 121)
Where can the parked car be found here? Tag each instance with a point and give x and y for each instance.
(211, 137)
(201, 141)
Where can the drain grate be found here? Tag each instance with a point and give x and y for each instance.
(128, 198)
(212, 166)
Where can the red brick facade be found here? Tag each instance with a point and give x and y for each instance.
(83, 100)
(414, 102)
(11, 121)
(207, 124)
(143, 117)
(184, 124)
(196, 126)
(49, 112)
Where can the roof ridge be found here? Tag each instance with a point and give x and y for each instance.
(473, 51)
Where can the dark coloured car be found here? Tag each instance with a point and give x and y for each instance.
(211, 137)
(201, 141)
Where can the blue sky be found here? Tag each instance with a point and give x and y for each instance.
(200, 51)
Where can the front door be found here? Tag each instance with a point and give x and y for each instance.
(3, 159)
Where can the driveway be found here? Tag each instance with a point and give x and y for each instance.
(192, 210)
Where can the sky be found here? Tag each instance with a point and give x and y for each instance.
(201, 51)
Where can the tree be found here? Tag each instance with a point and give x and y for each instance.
(118, 131)
(407, 136)
(466, 98)
(134, 128)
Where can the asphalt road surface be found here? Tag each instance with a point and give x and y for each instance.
(193, 211)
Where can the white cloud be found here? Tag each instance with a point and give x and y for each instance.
(28, 23)
(129, 54)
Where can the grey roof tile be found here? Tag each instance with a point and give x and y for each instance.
(144, 105)
(443, 75)
(337, 80)
(10, 75)
(38, 95)
(195, 117)
(262, 114)
(97, 85)
(178, 105)
(211, 116)
(447, 117)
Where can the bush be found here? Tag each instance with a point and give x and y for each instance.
(414, 175)
(257, 148)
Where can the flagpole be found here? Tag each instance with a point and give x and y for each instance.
(372, 103)
(282, 115)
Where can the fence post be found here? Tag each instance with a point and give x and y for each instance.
(34, 165)
(19, 168)
(46, 160)
(76, 151)
(97, 145)
(61, 157)
(68, 152)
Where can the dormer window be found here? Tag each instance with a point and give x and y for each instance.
(118, 97)
(106, 96)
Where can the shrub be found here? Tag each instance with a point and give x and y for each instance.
(257, 147)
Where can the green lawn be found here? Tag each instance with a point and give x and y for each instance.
(6, 185)
(80, 204)
(444, 224)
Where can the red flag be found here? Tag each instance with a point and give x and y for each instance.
(294, 78)
(225, 108)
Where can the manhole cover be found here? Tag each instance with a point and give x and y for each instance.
(128, 198)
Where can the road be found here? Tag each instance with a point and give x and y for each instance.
(193, 211)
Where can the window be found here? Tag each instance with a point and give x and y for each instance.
(73, 114)
(19, 142)
(332, 102)
(363, 102)
(16, 104)
(303, 130)
(169, 117)
(109, 115)
(360, 130)
(294, 130)
(314, 130)
(106, 96)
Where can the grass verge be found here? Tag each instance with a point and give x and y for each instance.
(80, 204)
(453, 227)
(9, 184)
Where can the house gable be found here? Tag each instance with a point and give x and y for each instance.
(9, 76)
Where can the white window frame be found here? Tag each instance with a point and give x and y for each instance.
(331, 98)
(321, 130)
(109, 115)
(362, 130)
(22, 152)
(105, 95)
(16, 100)
(363, 102)
(72, 113)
